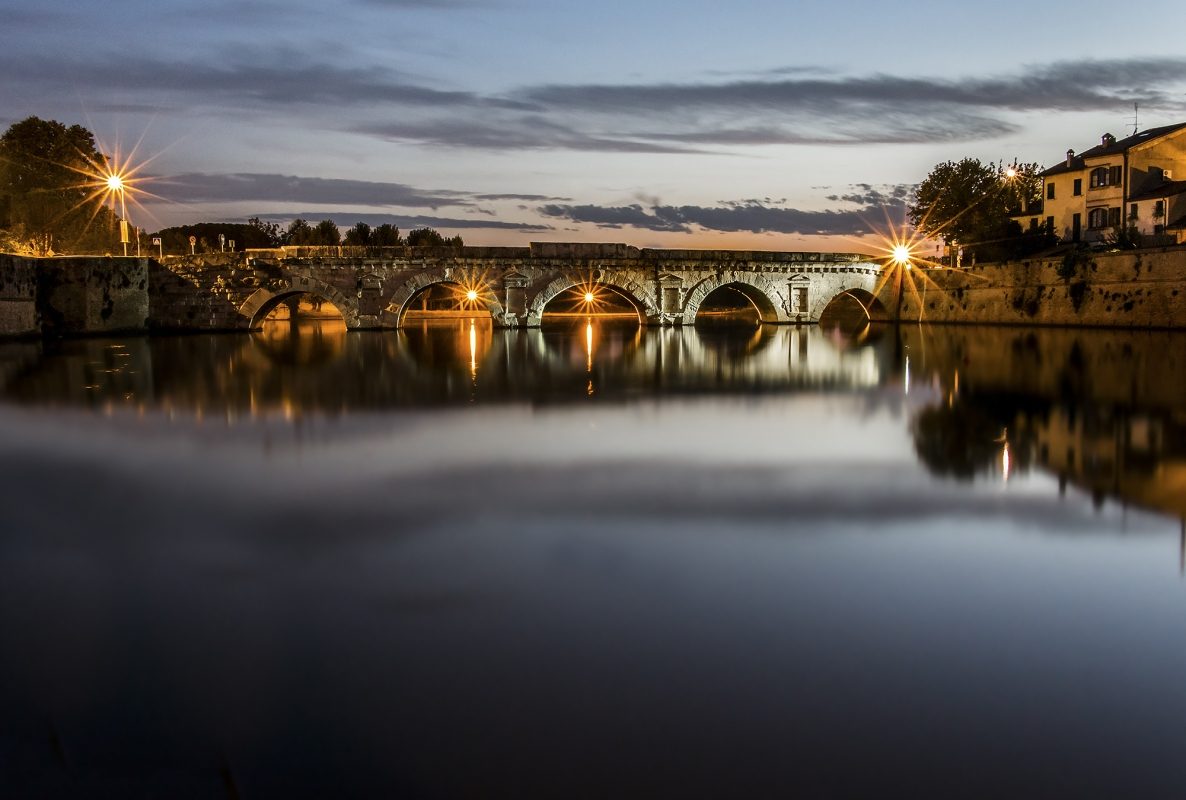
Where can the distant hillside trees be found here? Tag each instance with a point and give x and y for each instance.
(259, 234)
(50, 191)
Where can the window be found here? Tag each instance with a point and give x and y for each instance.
(1097, 218)
(1050, 191)
(1078, 187)
(1159, 209)
(1050, 224)
(1134, 212)
(801, 299)
(1105, 176)
(1114, 217)
(1033, 223)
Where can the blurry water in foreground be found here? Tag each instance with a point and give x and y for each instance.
(594, 560)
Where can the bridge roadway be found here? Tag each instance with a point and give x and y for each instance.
(374, 287)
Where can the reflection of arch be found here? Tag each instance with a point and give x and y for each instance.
(853, 306)
(289, 346)
(757, 289)
(630, 289)
(262, 301)
(397, 305)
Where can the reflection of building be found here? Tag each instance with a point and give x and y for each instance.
(1135, 457)
(1118, 184)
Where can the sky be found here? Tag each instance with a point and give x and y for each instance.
(752, 124)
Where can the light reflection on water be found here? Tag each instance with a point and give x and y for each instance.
(593, 559)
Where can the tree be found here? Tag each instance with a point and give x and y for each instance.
(427, 237)
(268, 232)
(49, 174)
(359, 235)
(300, 233)
(386, 235)
(968, 203)
(254, 234)
(327, 233)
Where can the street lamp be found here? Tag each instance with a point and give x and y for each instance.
(117, 187)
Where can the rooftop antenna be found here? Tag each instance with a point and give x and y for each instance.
(1135, 119)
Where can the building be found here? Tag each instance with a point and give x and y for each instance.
(1121, 185)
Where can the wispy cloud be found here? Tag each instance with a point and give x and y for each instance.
(404, 222)
(790, 106)
(201, 187)
(750, 216)
(519, 133)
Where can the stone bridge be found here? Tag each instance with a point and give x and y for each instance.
(375, 287)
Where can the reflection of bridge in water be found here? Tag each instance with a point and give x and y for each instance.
(303, 369)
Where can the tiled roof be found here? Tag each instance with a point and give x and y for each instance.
(1118, 146)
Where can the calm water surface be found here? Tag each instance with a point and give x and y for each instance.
(594, 561)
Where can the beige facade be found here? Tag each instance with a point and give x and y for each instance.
(1119, 185)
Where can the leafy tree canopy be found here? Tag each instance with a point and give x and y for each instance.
(254, 234)
(969, 203)
(427, 237)
(48, 204)
(360, 234)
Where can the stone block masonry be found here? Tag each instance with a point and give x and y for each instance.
(1125, 289)
(18, 296)
(373, 287)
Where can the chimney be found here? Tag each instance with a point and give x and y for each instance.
(1070, 158)
(1107, 140)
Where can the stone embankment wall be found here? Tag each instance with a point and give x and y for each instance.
(18, 296)
(1133, 289)
(70, 296)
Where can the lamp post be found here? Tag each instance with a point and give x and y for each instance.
(117, 188)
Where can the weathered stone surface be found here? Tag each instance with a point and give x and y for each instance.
(1133, 289)
(92, 295)
(373, 287)
(18, 296)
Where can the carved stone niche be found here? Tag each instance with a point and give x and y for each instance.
(798, 297)
(370, 290)
(514, 288)
(670, 293)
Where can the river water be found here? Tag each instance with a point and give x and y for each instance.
(594, 560)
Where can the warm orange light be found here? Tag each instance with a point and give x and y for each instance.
(1011, 172)
(115, 183)
(901, 254)
(589, 297)
(471, 295)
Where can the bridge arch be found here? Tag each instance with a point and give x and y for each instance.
(758, 290)
(852, 306)
(630, 288)
(398, 303)
(261, 303)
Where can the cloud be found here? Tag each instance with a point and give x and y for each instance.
(750, 216)
(535, 198)
(406, 5)
(278, 77)
(788, 106)
(404, 222)
(522, 133)
(201, 187)
(1070, 85)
